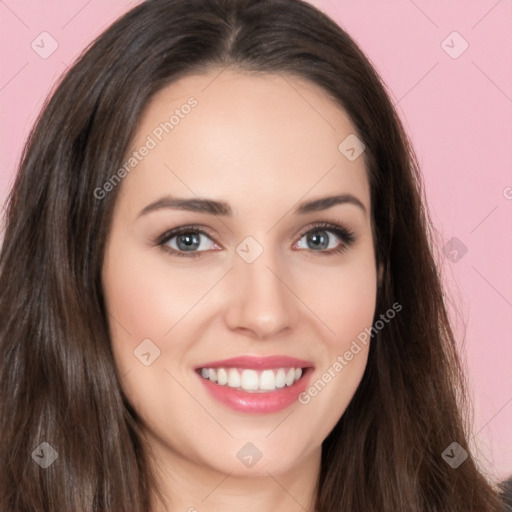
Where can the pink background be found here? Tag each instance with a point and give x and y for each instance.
(458, 112)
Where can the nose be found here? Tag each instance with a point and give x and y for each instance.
(260, 299)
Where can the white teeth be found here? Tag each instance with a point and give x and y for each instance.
(253, 380)
(250, 380)
(233, 378)
(222, 376)
(267, 380)
(280, 377)
(290, 377)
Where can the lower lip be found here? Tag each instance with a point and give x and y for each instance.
(257, 402)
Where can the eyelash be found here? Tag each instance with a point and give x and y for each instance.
(346, 236)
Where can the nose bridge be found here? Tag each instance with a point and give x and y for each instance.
(260, 300)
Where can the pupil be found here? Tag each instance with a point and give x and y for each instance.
(191, 241)
(325, 243)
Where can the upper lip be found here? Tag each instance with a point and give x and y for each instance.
(258, 362)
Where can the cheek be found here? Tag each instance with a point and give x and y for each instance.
(356, 301)
(144, 294)
(140, 305)
(144, 302)
(342, 298)
(347, 309)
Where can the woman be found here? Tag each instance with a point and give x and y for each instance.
(255, 374)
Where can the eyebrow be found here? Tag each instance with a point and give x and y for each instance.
(222, 208)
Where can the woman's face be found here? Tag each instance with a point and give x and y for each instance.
(246, 281)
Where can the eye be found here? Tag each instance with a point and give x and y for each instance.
(189, 241)
(318, 238)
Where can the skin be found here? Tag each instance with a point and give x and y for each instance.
(262, 143)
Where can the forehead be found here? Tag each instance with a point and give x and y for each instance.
(244, 137)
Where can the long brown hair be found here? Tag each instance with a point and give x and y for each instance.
(58, 380)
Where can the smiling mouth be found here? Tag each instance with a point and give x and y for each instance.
(254, 381)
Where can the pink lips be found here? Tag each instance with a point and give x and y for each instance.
(258, 363)
(261, 402)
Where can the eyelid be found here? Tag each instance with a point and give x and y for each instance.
(330, 226)
(171, 233)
